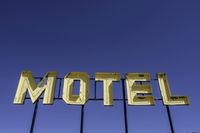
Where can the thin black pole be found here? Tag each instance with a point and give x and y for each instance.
(82, 119)
(59, 89)
(95, 89)
(168, 115)
(125, 109)
(34, 116)
(170, 119)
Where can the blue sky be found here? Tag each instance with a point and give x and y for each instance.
(100, 36)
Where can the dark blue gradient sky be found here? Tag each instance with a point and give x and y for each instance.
(93, 36)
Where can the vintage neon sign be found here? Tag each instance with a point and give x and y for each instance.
(47, 86)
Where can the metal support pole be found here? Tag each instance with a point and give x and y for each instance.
(170, 119)
(82, 119)
(168, 115)
(59, 89)
(95, 89)
(34, 116)
(125, 109)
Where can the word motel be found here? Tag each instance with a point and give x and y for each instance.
(137, 94)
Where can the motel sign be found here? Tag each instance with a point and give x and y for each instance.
(137, 94)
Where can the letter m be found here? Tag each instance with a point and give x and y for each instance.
(27, 82)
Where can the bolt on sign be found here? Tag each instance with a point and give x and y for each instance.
(134, 90)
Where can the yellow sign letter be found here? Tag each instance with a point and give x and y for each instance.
(107, 79)
(134, 89)
(166, 94)
(27, 82)
(83, 96)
